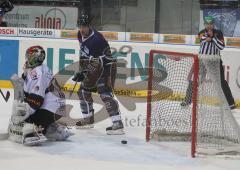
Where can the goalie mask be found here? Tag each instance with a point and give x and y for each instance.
(35, 56)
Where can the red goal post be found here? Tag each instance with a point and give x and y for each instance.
(176, 56)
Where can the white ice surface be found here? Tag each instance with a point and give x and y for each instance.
(93, 149)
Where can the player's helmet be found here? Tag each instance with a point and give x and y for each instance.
(35, 56)
(208, 20)
(84, 20)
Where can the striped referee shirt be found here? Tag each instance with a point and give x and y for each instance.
(212, 47)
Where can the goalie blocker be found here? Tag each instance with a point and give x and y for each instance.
(38, 103)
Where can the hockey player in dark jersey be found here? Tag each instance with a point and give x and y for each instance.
(97, 74)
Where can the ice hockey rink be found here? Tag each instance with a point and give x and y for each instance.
(93, 149)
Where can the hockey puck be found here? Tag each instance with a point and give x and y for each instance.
(124, 142)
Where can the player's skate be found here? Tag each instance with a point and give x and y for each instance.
(116, 129)
(85, 123)
(32, 135)
(185, 102)
(57, 132)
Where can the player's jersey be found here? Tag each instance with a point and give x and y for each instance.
(94, 45)
(39, 83)
(212, 47)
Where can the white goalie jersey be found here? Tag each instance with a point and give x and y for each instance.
(40, 83)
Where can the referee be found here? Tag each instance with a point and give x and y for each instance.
(212, 42)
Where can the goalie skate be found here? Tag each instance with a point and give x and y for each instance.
(116, 129)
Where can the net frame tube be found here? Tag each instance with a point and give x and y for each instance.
(194, 96)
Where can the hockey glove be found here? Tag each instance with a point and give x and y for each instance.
(79, 76)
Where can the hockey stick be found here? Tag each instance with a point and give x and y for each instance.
(71, 92)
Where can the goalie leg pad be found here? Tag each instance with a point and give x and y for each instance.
(15, 132)
(18, 87)
(26, 133)
(32, 135)
(19, 112)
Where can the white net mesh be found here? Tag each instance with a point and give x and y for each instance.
(217, 128)
(171, 106)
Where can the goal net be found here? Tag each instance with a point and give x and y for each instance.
(186, 103)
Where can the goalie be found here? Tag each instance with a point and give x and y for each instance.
(38, 103)
(97, 74)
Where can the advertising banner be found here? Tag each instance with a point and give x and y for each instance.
(69, 33)
(174, 38)
(233, 42)
(227, 20)
(108, 35)
(42, 17)
(8, 58)
(32, 32)
(59, 53)
(132, 61)
(8, 31)
(141, 37)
